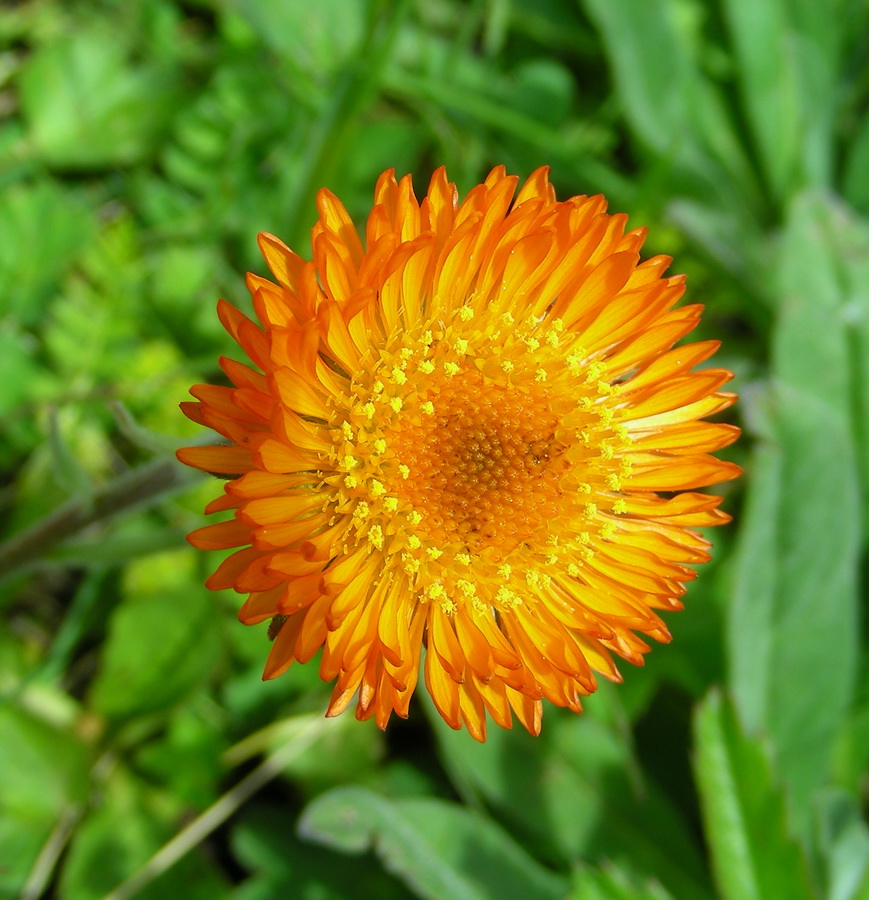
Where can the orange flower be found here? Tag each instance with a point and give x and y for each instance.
(453, 437)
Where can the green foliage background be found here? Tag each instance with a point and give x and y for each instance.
(143, 144)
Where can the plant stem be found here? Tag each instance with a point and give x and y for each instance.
(221, 810)
(138, 487)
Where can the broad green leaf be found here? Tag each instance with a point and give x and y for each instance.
(553, 23)
(129, 822)
(653, 86)
(793, 619)
(821, 31)
(770, 87)
(788, 59)
(543, 88)
(43, 779)
(439, 849)
(344, 754)
(42, 768)
(86, 105)
(187, 761)
(753, 856)
(282, 865)
(574, 792)
(668, 101)
(160, 647)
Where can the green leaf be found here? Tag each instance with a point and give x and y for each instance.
(87, 106)
(18, 370)
(344, 754)
(44, 228)
(769, 85)
(574, 792)
(129, 823)
(44, 774)
(788, 61)
(42, 769)
(668, 101)
(284, 866)
(187, 760)
(856, 177)
(438, 848)
(843, 838)
(753, 856)
(793, 618)
(160, 647)
(610, 882)
(305, 35)
(652, 86)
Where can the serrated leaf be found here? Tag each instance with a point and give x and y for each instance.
(44, 227)
(753, 856)
(438, 848)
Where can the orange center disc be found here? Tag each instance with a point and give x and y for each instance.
(485, 465)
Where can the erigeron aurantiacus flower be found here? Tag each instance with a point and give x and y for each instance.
(467, 439)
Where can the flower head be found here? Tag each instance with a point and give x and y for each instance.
(471, 434)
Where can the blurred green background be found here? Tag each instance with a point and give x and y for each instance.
(143, 144)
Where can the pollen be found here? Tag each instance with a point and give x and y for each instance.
(375, 536)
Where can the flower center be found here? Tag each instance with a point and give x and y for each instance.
(485, 465)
